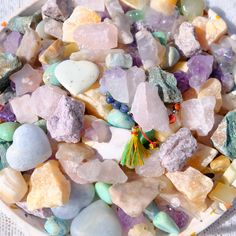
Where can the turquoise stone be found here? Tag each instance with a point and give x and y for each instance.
(102, 190)
(151, 211)
(120, 120)
(135, 15)
(162, 36)
(7, 130)
(56, 227)
(166, 84)
(163, 222)
(49, 76)
(9, 64)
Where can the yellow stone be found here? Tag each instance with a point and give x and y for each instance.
(202, 157)
(220, 164)
(54, 53)
(180, 66)
(144, 229)
(95, 102)
(13, 186)
(137, 4)
(229, 175)
(69, 49)
(212, 87)
(164, 6)
(48, 187)
(80, 16)
(223, 193)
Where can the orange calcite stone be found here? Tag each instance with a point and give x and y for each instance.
(137, 4)
(48, 187)
(164, 6)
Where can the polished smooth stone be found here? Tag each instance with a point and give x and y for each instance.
(146, 229)
(53, 28)
(122, 60)
(7, 130)
(102, 190)
(191, 8)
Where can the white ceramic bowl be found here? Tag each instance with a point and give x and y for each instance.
(33, 226)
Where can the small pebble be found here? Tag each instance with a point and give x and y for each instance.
(102, 191)
(122, 60)
(220, 164)
(7, 130)
(49, 76)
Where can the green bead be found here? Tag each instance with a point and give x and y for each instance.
(150, 134)
(49, 75)
(163, 222)
(7, 130)
(42, 124)
(135, 15)
(192, 8)
(102, 191)
(161, 36)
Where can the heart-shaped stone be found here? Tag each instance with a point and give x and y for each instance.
(77, 76)
(30, 148)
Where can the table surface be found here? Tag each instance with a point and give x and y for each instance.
(225, 226)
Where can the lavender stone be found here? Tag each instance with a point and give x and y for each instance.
(182, 81)
(12, 42)
(177, 149)
(7, 115)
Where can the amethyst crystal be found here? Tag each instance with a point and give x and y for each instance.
(6, 114)
(179, 217)
(127, 221)
(133, 51)
(200, 69)
(182, 81)
(12, 42)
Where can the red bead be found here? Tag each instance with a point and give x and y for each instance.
(172, 118)
(177, 106)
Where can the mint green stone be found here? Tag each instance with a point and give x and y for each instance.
(49, 76)
(151, 210)
(42, 124)
(102, 191)
(120, 120)
(163, 222)
(3, 150)
(7, 130)
(56, 227)
(135, 15)
(161, 36)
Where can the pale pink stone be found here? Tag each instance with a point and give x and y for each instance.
(96, 36)
(44, 100)
(91, 4)
(23, 109)
(27, 80)
(148, 109)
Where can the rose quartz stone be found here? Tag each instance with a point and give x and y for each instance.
(91, 4)
(96, 36)
(45, 99)
(27, 80)
(23, 109)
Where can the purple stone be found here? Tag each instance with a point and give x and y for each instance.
(133, 51)
(12, 42)
(128, 222)
(6, 114)
(182, 81)
(104, 15)
(179, 217)
(200, 68)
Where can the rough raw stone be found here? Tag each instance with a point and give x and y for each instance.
(28, 52)
(150, 50)
(113, 7)
(66, 122)
(91, 4)
(166, 84)
(45, 99)
(142, 229)
(122, 60)
(26, 80)
(56, 9)
(23, 109)
(12, 42)
(106, 36)
(48, 187)
(182, 81)
(229, 101)
(148, 110)
(53, 28)
(9, 63)
(198, 114)
(177, 149)
(224, 138)
(133, 197)
(96, 219)
(186, 40)
(193, 184)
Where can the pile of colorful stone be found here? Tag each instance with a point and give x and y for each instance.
(117, 117)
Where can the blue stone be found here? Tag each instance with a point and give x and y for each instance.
(151, 210)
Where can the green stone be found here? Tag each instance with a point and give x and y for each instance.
(172, 57)
(162, 36)
(102, 191)
(166, 84)
(135, 15)
(49, 76)
(7, 130)
(3, 150)
(192, 8)
(151, 210)
(120, 120)
(224, 138)
(9, 64)
(151, 136)
(163, 222)
(22, 23)
(42, 124)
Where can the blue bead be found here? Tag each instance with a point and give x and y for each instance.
(110, 99)
(116, 105)
(124, 108)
